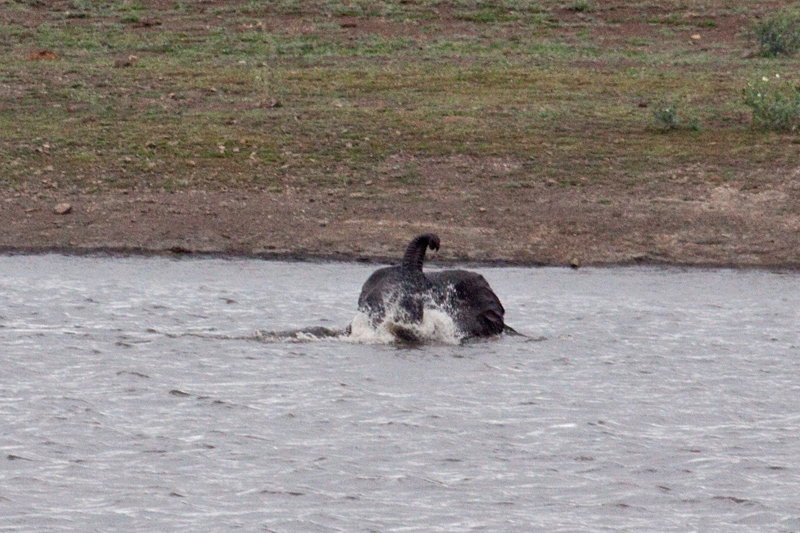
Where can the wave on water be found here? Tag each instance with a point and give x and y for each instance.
(437, 327)
(312, 334)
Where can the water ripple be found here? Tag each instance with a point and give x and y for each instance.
(136, 395)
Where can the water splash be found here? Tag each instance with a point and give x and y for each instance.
(437, 327)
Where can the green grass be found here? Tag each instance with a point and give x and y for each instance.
(775, 104)
(778, 33)
(308, 96)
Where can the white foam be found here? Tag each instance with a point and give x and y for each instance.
(437, 327)
(362, 332)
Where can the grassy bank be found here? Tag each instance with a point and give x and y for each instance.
(258, 94)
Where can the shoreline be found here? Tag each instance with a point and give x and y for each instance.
(300, 257)
(547, 226)
(523, 138)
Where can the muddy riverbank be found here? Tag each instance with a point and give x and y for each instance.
(688, 224)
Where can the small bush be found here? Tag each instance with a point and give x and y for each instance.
(581, 6)
(665, 116)
(775, 104)
(778, 34)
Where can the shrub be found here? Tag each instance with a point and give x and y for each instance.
(778, 34)
(580, 6)
(775, 104)
(665, 116)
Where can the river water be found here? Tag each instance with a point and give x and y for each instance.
(135, 395)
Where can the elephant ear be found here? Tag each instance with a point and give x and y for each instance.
(470, 300)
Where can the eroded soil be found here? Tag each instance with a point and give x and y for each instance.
(686, 221)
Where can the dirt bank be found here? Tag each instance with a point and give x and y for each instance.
(702, 224)
(543, 133)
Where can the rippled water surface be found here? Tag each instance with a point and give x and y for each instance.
(134, 396)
